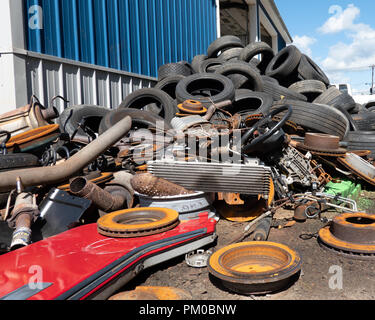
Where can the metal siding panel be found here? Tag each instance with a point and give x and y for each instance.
(34, 36)
(195, 33)
(167, 24)
(115, 87)
(185, 27)
(191, 31)
(152, 26)
(174, 43)
(52, 28)
(179, 33)
(51, 81)
(200, 26)
(101, 33)
(160, 34)
(71, 78)
(86, 31)
(145, 37)
(70, 29)
(113, 34)
(87, 80)
(125, 41)
(102, 89)
(135, 37)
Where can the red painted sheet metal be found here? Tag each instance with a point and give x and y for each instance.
(72, 257)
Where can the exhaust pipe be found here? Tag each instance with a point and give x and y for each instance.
(109, 200)
(67, 169)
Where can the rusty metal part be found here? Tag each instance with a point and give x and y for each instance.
(230, 198)
(138, 222)
(323, 177)
(103, 199)
(322, 144)
(29, 117)
(61, 172)
(148, 184)
(300, 213)
(255, 267)
(34, 137)
(153, 293)
(192, 107)
(351, 234)
(360, 167)
(24, 213)
(99, 180)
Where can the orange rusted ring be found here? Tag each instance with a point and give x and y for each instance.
(352, 234)
(255, 267)
(138, 222)
(192, 107)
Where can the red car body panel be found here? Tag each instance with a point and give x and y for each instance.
(78, 262)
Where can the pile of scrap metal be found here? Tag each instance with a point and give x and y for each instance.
(100, 195)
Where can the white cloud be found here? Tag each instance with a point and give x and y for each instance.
(304, 43)
(359, 53)
(341, 19)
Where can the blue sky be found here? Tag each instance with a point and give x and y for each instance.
(339, 35)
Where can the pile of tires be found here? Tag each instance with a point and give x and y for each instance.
(256, 80)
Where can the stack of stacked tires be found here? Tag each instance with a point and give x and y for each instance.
(256, 80)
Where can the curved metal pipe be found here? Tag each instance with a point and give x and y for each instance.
(107, 200)
(67, 169)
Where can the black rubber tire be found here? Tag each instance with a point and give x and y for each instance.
(254, 80)
(223, 43)
(169, 69)
(317, 117)
(169, 85)
(143, 97)
(270, 79)
(18, 160)
(345, 101)
(334, 97)
(309, 88)
(230, 54)
(138, 117)
(258, 48)
(365, 121)
(247, 102)
(327, 96)
(284, 65)
(220, 88)
(72, 116)
(210, 65)
(361, 140)
(369, 106)
(197, 60)
(278, 92)
(309, 70)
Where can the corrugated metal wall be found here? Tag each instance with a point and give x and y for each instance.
(135, 36)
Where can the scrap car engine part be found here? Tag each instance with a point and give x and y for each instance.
(251, 179)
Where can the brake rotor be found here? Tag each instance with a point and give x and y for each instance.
(350, 234)
(138, 222)
(192, 107)
(322, 144)
(153, 293)
(255, 267)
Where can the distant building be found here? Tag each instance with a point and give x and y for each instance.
(99, 51)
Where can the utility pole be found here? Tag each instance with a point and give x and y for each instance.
(372, 81)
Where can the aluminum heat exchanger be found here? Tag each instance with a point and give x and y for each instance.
(249, 179)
